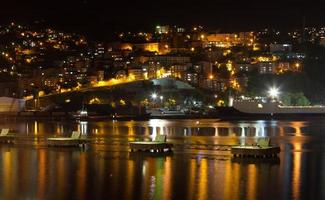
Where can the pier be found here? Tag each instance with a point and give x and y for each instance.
(256, 152)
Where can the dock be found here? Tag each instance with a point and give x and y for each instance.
(67, 143)
(158, 145)
(73, 140)
(261, 149)
(255, 151)
(5, 137)
(150, 146)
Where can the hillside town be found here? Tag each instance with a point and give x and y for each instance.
(37, 62)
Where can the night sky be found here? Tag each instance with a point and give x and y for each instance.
(98, 18)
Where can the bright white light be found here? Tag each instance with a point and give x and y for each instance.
(161, 97)
(154, 96)
(83, 113)
(274, 92)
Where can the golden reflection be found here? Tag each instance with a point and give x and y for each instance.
(130, 178)
(81, 178)
(7, 175)
(251, 182)
(228, 183)
(202, 193)
(281, 131)
(191, 182)
(101, 167)
(231, 131)
(162, 130)
(232, 181)
(59, 129)
(101, 128)
(35, 127)
(153, 177)
(146, 130)
(296, 182)
(115, 171)
(130, 125)
(62, 170)
(216, 132)
(41, 173)
(145, 175)
(297, 126)
(116, 130)
(167, 178)
(27, 128)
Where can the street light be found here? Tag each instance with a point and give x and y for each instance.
(154, 96)
(274, 92)
(161, 99)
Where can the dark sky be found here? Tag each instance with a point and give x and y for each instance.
(99, 17)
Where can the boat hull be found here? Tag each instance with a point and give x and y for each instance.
(230, 113)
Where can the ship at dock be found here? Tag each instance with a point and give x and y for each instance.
(267, 108)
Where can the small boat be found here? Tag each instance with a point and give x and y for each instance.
(262, 149)
(159, 144)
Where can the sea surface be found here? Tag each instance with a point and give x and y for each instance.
(200, 167)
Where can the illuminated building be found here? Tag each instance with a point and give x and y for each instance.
(226, 40)
(152, 69)
(120, 74)
(162, 29)
(283, 67)
(99, 50)
(100, 75)
(280, 48)
(206, 68)
(154, 47)
(125, 46)
(192, 78)
(151, 47)
(266, 67)
(245, 67)
(178, 71)
(168, 60)
(136, 74)
(218, 85)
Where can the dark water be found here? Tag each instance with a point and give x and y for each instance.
(106, 170)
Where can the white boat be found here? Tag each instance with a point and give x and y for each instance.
(271, 107)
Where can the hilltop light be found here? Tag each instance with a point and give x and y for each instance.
(274, 92)
(154, 96)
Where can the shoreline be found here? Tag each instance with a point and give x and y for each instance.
(223, 114)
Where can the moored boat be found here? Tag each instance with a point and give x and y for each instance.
(265, 108)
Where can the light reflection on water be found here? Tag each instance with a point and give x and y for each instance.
(30, 172)
(172, 128)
